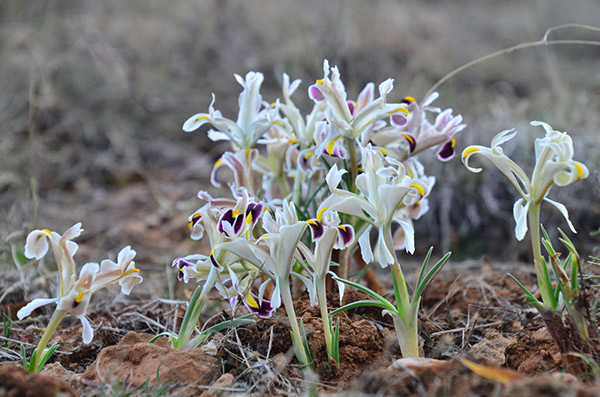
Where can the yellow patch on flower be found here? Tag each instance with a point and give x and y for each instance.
(468, 151)
(400, 109)
(79, 297)
(320, 213)
(251, 301)
(579, 170)
(331, 145)
(419, 188)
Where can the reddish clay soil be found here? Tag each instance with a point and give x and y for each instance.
(480, 315)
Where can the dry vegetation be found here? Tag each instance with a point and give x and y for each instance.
(93, 95)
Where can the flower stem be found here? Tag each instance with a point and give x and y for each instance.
(405, 321)
(353, 164)
(55, 321)
(322, 295)
(540, 270)
(286, 297)
(190, 321)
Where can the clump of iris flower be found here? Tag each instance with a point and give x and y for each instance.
(554, 165)
(73, 295)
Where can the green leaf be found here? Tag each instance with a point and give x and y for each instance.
(424, 266)
(170, 334)
(369, 292)
(432, 272)
(24, 357)
(46, 354)
(362, 303)
(528, 295)
(336, 342)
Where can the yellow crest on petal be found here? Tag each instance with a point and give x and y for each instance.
(251, 301)
(468, 151)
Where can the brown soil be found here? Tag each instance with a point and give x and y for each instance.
(480, 315)
(16, 381)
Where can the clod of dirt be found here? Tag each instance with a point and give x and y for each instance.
(224, 382)
(56, 370)
(492, 348)
(134, 361)
(533, 353)
(16, 381)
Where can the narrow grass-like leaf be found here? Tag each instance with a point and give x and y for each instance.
(362, 303)
(546, 276)
(170, 334)
(369, 292)
(46, 354)
(528, 295)
(432, 272)
(399, 306)
(336, 342)
(24, 358)
(424, 267)
(190, 309)
(590, 362)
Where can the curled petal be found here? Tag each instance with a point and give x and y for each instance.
(447, 151)
(125, 257)
(88, 331)
(520, 215)
(36, 245)
(31, 306)
(503, 137)
(546, 126)
(563, 211)
(196, 121)
(345, 237)
(196, 227)
(341, 287)
(468, 152)
(409, 235)
(364, 241)
(181, 264)
(315, 92)
(574, 172)
(129, 281)
(384, 255)
(316, 229)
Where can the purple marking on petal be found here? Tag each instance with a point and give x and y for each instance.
(194, 219)
(351, 107)
(181, 263)
(399, 120)
(345, 236)
(255, 211)
(226, 217)
(215, 263)
(316, 228)
(264, 309)
(315, 93)
(412, 142)
(447, 151)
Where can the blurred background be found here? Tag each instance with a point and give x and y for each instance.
(93, 95)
